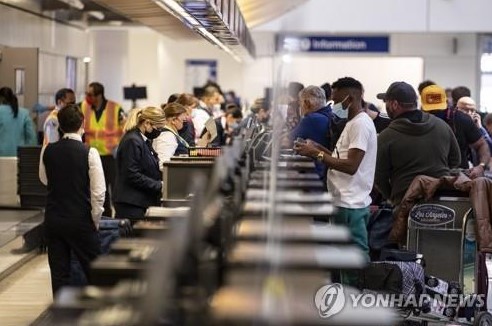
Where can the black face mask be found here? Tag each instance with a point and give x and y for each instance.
(153, 134)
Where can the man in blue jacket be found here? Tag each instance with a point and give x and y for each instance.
(315, 122)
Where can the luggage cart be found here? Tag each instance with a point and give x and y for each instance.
(443, 230)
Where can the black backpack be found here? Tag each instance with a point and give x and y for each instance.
(337, 125)
(378, 230)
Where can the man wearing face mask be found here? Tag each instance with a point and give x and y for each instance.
(380, 120)
(63, 97)
(138, 178)
(415, 143)
(226, 125)
(75, 198)
(350, 166)
(104, 120)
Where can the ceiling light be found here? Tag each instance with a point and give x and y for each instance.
(174, 8)
(115, 23)
(77, 4)
(177, 11)
(96, 14)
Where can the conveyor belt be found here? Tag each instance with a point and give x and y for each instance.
(19, 222)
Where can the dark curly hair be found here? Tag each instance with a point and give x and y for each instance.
(347, 82)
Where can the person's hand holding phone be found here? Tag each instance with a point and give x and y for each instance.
(306, 147)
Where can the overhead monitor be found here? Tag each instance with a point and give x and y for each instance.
(135, 92)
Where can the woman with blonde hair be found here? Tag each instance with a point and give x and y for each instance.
(170, 143)
(138, 179)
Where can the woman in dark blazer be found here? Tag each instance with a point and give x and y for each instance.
(138, 179)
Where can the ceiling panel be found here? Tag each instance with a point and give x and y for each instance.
(257, 12)
(151, 15)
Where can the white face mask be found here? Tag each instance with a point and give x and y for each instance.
(339, 111)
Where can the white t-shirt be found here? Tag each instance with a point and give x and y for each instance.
(165, 146)
(352, 191)
(199, 118)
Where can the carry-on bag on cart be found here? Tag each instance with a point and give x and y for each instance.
(378, 230)
(399, 273)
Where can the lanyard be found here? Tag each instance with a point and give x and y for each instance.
(178, 137)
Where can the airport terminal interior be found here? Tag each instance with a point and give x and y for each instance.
(245, 162)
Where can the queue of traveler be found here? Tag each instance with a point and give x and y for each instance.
(376, 156)
(363, 154)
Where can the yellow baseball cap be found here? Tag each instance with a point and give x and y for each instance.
(433, 98)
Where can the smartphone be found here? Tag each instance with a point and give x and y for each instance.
(300, 140)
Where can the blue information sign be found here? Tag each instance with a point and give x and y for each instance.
(378, 44)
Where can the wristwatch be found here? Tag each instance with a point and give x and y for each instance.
(320, 156)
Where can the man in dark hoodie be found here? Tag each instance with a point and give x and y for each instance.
(415, 143)
(315, 122)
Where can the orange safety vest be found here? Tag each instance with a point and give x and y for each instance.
(104, 135)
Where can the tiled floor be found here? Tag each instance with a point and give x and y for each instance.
(26, 293)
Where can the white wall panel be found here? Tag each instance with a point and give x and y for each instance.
(20, 29)
(375, 74)
(460, 15)
(385, 16)
(342, 16)
(110, 64)
(144, 57)
(55, 41)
